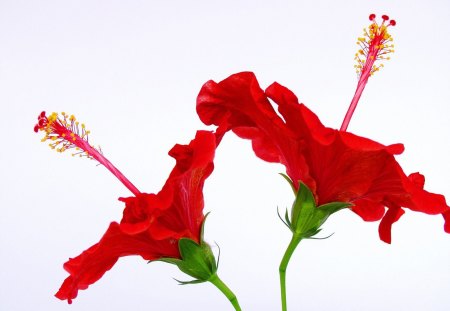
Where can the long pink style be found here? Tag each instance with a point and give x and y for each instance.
(374, 46)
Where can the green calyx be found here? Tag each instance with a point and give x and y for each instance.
(306, 217)
(305, 221)
(197, 260)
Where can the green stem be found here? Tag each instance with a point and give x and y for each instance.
(283, 266)
(226, 291)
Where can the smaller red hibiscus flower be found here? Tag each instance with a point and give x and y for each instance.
(164, 226)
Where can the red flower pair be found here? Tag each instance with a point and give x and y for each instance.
(335, 165)
(329, 169)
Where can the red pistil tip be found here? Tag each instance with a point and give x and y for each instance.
(374, 45)
(65, 132)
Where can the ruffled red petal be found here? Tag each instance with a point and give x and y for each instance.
(368, 210)
(446, 216)
(93, 263)
(392, 215)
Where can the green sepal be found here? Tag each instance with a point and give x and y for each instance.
(306, 217)
(286, 217)
(304, 211)
(173, 261)
(202, 228)
(286, 220)
(189, 282)
(290, 182)
(334, 207)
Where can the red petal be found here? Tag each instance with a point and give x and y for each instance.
(392, 215)
(421, 200)
(90, 266)
(395, 148)
(368, 210)
(239, 103)
(140, 211)
(262, 146)
(417, 179)
(447, 221)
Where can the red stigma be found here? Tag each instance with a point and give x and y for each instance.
(372, 17)
(385, 17)
(392, 22)
(42, 120)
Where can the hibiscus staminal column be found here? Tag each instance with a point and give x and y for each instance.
(375, 46)
(65, 132)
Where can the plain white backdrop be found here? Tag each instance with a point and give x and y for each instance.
(131, 70)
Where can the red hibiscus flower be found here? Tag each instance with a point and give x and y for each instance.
(165, 226)
(335, 165)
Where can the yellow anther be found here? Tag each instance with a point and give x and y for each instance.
(63, 132)
(52, 118)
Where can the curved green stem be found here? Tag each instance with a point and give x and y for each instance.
(226, 291)
(283, 266)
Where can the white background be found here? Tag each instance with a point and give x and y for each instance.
(131, 70)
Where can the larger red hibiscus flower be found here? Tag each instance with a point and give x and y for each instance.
(335, 165)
